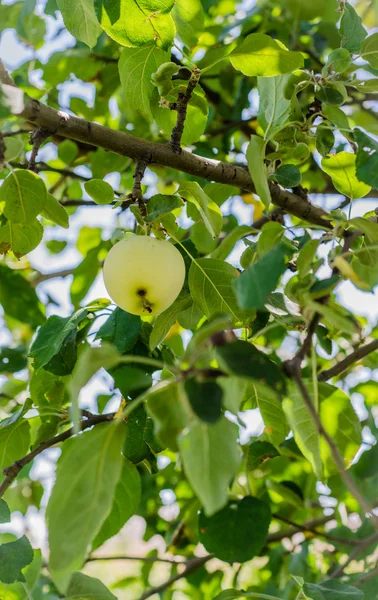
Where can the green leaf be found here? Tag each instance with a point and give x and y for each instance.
(338, 118)
(139, 440)
(18, 298)
(325, 140)
(21, 238)
(238, 532)
(166, 319)
(369, 228)
(132, 22)
(170, 412)
(341, 168)
(189, 19)
(287, 175)
(55, 212)
(304, 429)
(84, 276)
(255, 157)
(22, 196)
(136, 66)
(125, 503)
(205, 398)
(245, 360)
(271, 235)
(210, 282)
(5, 515)
(52, 335)
(160, 205)
(369, 50)
(270, 405)
(351, 29)
(121, 329)
(211, 457)
(209, 211)
(80, 19)
(289, 493)
(87, 475)
(202, 238)
(234, 389)
(339, 60)
(46, 388)
(367, 158)
(14, 557)
(100, 191)
(261, 55)
(67, 151)
(260, 279)
(306, 257)
(274, 108)
(258, 452)
(332, 590)
(83, 587)
(333, 93)
(227, 244)
(12, 359)
(14, 438)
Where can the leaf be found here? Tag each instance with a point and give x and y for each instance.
(87, 475)
(369, 228)
(351, 29)
(341, 168)
(18, 298)
(274, 108)
(332, 590)
(238, 532)
(100, 191)
(5, 515)
(136, 23)
(170, 412)
(258, 452)
(160, 205)
(271, 235)
(287, 175)
(325, 140)
(51, 336)
(136, 66)
(139, 439)
(339, 60)
(14, 438)
(209, 211)
(260, 279)
(367, 158)
(304, 429)
(228, 243)
(83, 587)
(306, 257)
(261, 55)
(255, 157)
(80, 19)
(84, 276)
(14, 557)
(234, 389)
(125, 503)
(369, 50)
(55, 212)
(189, 18)
(270, 405)
(210, 282)
(211, 457)
(205, 398)
(121, 329)
(21, 238)
(23, 195)
(166, 319)
(245, 360)
(12, 359)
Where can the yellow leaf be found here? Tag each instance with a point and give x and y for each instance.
(346, 270)
(256, 203)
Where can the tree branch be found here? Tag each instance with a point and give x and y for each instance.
(343, 365)
(146, 559)
(37, 137)
(361, 546)
(125, 144)
(13, 470)
(182, 107)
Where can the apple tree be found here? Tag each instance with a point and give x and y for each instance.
(204, 426)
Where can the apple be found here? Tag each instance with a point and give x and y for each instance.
(144, 275)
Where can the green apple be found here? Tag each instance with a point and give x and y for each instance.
(144, 275)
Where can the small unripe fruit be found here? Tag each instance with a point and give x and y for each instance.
(143, 275)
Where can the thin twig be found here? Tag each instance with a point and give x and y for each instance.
(307, 528)
(182, 107)
(13, 470)
(37, 137)
(367, 576)
(146, 559)
(15, 132)
(361, 546)
(343, 365)
(136, 193)
(191, 566)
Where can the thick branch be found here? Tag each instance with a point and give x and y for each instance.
(343, 365)
(13, 470)
(126, 144)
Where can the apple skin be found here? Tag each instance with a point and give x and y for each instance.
(144, 275)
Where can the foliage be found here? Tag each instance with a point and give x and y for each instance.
(239, 425)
